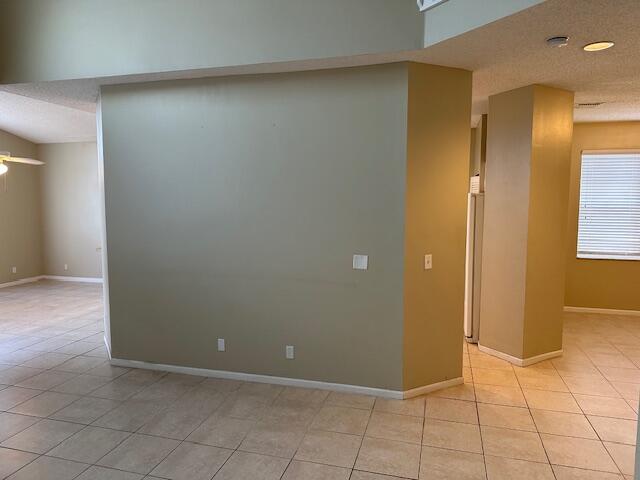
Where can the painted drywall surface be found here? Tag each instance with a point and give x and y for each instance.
(20, 213)
(233, 209)
(71, 209)
(528, 158)
(44, 40)
(613, 284)
(504, 248)
(547, 230)
(437, 176)
(455, 17)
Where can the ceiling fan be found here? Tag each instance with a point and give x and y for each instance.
(6, 157)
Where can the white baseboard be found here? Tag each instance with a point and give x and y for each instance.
(51, 277)
(520, 362)
(416, 392)
(61, 278)
(289, 382)
(106, 345)
(607, 311)
(20, 282)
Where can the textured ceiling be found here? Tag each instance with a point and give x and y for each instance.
(503, 55)
(44, 122)
(511, 53)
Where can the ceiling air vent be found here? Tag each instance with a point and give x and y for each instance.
(588, 105)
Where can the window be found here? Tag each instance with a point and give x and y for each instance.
(609, 216)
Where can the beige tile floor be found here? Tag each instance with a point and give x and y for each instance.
(66, 413)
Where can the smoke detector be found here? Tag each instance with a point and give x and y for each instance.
(558, 41)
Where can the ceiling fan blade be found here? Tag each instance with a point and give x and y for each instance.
(28, 161)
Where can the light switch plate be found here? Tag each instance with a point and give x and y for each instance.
(360, 262)
(221, 345)
(14, 270)
(428, 262)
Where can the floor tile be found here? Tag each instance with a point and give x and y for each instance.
(50, 469)
(45, 380)
(89, 444)
(452, 435)
(13, 460)
(487, 361)
(329, 448)
(501, 442)
(411, 406)
(350, 400)
(251, 466)
(439, 464)
(309, 396)
(578, 452)
(615, 429)
(605, 406)
(221, 384)
(44, 404)
(139, 453)
(541, 380)
(590, 386)
(102, 473)
(614, 374)
(244, 406)
(278, 440)
(223, 432)
(507, 417)
(464, 391)
(85, 410)
(341, 420)
(500, 468)
(42, 436)
(192, 462)
(12, 423)
(556, 401)
(13, 396)
(570, 473)
(623, 455)
(389, 457)
(452, 410)
(391, 426)
(562, 423)
(505, 378)
(129, 416)
(499, 395)
(81, 384)
(312, 471)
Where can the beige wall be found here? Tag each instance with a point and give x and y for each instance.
(528, 159)
(547, 230)
(233, 209)
(20, 213)
(234, 206)
(43, 40)
(437, 177)
(613, 284)
(71, 209)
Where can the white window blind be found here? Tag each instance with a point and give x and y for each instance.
(609, 216)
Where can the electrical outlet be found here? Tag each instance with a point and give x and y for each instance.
(14, 269)
(289, 352)
(221, 345)
(66, 267)
(428, 262)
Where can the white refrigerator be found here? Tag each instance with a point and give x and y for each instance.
(473, 265)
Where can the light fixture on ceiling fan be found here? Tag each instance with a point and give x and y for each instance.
(6, 157)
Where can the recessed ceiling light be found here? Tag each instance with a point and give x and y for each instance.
(558, 41)
(597, 46)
